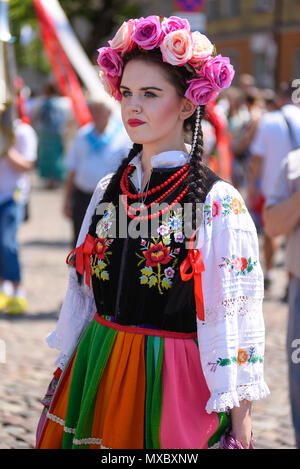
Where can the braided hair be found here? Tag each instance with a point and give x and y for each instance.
(196, 179)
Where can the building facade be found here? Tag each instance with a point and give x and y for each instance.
(261, 37)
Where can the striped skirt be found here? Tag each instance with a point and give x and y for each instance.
(132, 388)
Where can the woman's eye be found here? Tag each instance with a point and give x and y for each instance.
(125, 93)
(148, 94)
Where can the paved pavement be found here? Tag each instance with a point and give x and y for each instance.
(26, 362)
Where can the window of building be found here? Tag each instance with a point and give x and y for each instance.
(213, 9)
(263, 70)
(264, 6)
(231, 8)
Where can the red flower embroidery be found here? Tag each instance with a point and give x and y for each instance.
(216, 209)
(240, 263)
(244, 262)
(237, 263)
(157, 254)
(100, 247)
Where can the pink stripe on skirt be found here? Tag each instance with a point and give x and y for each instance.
(185, 424)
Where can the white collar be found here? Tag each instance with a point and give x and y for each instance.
(166, 159)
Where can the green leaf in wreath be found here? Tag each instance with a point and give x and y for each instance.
(249, 268)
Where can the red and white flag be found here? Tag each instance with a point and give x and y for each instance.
(68, 59)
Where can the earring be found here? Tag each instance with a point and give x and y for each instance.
(196, 130)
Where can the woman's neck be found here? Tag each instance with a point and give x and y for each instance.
(148, 152)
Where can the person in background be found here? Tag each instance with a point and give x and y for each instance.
(50, 115)
(247, 83)
(97, 150)
(278, 133)
(14, 190)
(250, 114)
(282, 217)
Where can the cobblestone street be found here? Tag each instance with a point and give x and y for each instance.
(27, 363)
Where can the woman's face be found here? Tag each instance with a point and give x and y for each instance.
(152, 112)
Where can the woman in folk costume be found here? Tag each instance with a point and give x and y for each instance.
(161, 332)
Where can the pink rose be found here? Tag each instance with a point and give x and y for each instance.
(148, 33)
(201, 91)
(110, 61)
(123, 41)
(174, 23)
(177, 47)
(202, 48)
(219, 71)
(111, 85)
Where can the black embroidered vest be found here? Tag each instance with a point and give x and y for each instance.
(136, 278)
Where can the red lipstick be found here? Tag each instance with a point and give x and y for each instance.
(135, 122)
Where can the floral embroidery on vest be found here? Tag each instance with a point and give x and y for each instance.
(102, 244)
(227, 205)
(241, 265)
(105, 223)
(243, 357)
(160, 260)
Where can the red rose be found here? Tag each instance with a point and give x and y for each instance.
(157, 254)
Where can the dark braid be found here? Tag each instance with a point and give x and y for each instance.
(196, 179)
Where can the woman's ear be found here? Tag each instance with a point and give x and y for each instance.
(187, 109)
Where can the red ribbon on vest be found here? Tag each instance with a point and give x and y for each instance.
(195, 262)
(82, 258)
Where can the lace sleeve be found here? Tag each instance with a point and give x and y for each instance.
(231, 337)
(78, 307)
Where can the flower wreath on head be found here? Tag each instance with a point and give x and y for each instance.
(179, 46)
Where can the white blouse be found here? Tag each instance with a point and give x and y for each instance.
(231, 338)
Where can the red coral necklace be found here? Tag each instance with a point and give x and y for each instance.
(181, 174)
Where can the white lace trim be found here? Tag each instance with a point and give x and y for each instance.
(61, 361)
(224, 401)
(229, 307)
(89, 441)
(61, 422)
(81, 441)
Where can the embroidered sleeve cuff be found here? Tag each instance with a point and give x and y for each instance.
(61, 361)
(224, 401)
